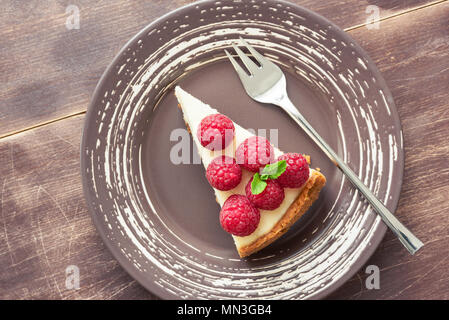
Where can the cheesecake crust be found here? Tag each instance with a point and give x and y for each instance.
(302, 203)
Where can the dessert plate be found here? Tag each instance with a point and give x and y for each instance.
(147, 192)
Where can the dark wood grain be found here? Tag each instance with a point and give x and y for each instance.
(48, 72)
(45, 226)
(412, 52)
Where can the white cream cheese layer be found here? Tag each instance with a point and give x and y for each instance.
(194, 111)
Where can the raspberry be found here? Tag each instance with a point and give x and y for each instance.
(238, 216)
(269, 199)
(254, 152)
(216, 132)
(297, 171)
(223, 173)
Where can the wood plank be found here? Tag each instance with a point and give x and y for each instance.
(412, 52)
(48, 72)
(45, 226)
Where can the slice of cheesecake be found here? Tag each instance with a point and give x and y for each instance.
(273, 223)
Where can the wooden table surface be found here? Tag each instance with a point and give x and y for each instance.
(48, 74)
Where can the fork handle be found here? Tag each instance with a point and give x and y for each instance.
(407, 238)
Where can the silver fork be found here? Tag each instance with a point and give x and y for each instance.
(267, 84)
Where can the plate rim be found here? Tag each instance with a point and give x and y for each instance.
(378, 233)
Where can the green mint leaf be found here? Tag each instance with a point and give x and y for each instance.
(274, 170)
(257, 185)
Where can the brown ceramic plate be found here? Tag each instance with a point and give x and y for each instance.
(160, 220)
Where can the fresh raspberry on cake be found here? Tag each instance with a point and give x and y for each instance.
(216, 132)
(297, 172)
(269, 199)
(252, 229)
(254, 153)
(223, 173)
(238, 216)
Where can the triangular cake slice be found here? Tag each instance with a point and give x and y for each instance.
(273, 223)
